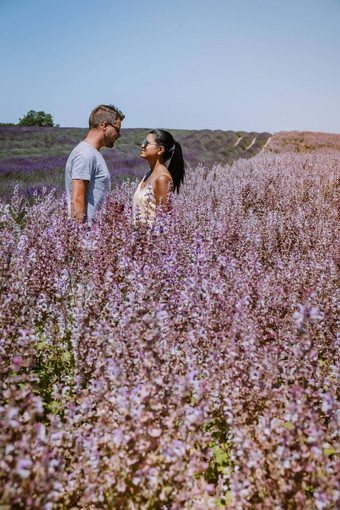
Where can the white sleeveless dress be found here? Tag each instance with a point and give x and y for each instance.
(144, 203)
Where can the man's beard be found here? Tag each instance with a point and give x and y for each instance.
(108, 143)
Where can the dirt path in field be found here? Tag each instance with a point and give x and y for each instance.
(238, 141)
(265, 145)
(252, 143)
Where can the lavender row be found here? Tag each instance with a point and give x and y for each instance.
(34, 158)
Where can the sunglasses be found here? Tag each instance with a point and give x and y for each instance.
(146, 142)
(116, 128)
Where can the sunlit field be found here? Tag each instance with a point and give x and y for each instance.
(34, 158)
(193, 365)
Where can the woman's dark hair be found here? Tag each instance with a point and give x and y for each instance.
(172, 155)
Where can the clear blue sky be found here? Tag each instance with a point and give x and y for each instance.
(253, 65)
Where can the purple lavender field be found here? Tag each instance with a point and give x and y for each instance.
(193, 365)
(33, 158)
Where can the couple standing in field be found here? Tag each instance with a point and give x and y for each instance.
(87, 177)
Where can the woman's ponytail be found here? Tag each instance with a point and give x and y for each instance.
(173, 157)
(176, 166)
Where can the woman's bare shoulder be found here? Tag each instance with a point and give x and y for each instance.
(163, 177)
(162, 181)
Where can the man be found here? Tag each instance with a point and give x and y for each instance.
(87, 177)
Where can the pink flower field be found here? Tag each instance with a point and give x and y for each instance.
(194, 365)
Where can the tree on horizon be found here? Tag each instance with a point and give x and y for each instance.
(33, 118)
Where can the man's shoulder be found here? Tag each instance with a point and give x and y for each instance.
(84, 148)
(83, 151)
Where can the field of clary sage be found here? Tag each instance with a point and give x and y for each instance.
(33, 158)
(193, 365)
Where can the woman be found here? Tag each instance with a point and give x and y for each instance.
(166, 174)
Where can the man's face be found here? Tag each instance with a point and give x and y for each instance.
(111, 132)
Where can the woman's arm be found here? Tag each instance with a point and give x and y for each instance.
(161, 190)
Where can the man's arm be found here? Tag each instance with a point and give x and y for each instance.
(78, 207)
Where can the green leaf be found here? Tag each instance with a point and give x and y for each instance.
(221, 456)
(288, 425)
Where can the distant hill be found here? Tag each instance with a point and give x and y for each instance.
(35, 157)
(302, 141)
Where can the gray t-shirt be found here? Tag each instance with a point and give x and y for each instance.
(86, 163)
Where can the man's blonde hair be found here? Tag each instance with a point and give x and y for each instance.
(104, 112)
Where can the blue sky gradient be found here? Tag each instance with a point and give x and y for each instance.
(255, 65)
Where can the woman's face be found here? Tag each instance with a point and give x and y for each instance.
(149, 148)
